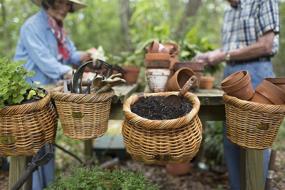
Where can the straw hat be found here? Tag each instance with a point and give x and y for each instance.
(77, 4)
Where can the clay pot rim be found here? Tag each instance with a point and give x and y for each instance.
(272, 92)
(211, 78)
(162, 72)
(157, 57)
(238, 85)
(278, 80)
(227, 81)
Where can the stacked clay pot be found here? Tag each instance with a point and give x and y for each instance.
(269, 93)
(238, 85)
(159, 61)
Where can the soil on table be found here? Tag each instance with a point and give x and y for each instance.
(157, 108)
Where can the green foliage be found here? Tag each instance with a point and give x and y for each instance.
(13, 87)
(193, 45)
(213, 145)
(95, 178)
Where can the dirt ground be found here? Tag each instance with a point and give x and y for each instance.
(196, 180)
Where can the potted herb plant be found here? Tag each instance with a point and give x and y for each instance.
(27, 116)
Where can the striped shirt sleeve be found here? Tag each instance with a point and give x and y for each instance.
(269, 16)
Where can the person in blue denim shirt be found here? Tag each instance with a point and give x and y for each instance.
(44, 44)
(250, 38)
(47, 50)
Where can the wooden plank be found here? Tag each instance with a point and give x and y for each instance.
(18, 165)
(210, 97)
(88, 148)
(113, 138)
(122, 92)
(252, 177)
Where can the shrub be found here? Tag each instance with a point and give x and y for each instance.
(95, 178)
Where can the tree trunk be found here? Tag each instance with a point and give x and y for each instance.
(125, 15)
(191, 9)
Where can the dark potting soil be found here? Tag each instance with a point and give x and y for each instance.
(155, 108)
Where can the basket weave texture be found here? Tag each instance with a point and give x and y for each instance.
(252, 125)
(162, 141)
(25, 128)
(83, 116)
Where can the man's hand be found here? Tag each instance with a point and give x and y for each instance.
(216, 57)
(211, 57)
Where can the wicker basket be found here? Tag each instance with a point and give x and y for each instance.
(162, 141)
(250, 124)
(83, 116)
(25, 128)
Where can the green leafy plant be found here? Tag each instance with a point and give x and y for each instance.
(95, 178)
(192, 46)
(13, 87)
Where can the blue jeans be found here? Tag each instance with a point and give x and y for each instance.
(258, 71)
(44, 175)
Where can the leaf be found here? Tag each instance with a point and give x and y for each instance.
(31, 94)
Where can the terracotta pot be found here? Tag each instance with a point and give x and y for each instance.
(233, 78)
(178, 169)
(131, 74)
(171, 48)
(179, 78)
(196, 67)
(280, 82)
(154, 46)
(206, 82)
(241, 89)
(157, 79)
(259, 98)
(269, 93)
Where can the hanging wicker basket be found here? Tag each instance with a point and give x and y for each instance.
(83, 116)
(162, 141)
(252, 125)
(25, 128)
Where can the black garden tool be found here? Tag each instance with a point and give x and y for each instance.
(175, 100)
(105, 69)
(43, 156)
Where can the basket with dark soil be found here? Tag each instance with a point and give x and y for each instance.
(157, 132)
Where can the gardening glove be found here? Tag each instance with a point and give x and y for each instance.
(68, 75)
(85, 56)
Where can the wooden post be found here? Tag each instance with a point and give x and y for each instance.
(88, 149)
(18, 164)
(252, 177)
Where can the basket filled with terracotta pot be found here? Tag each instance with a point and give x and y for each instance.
(252, 117)
(162, 127)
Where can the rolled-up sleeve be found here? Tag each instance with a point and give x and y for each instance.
(40, 54)
(269, 16)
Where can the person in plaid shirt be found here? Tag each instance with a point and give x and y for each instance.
(250, 38)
